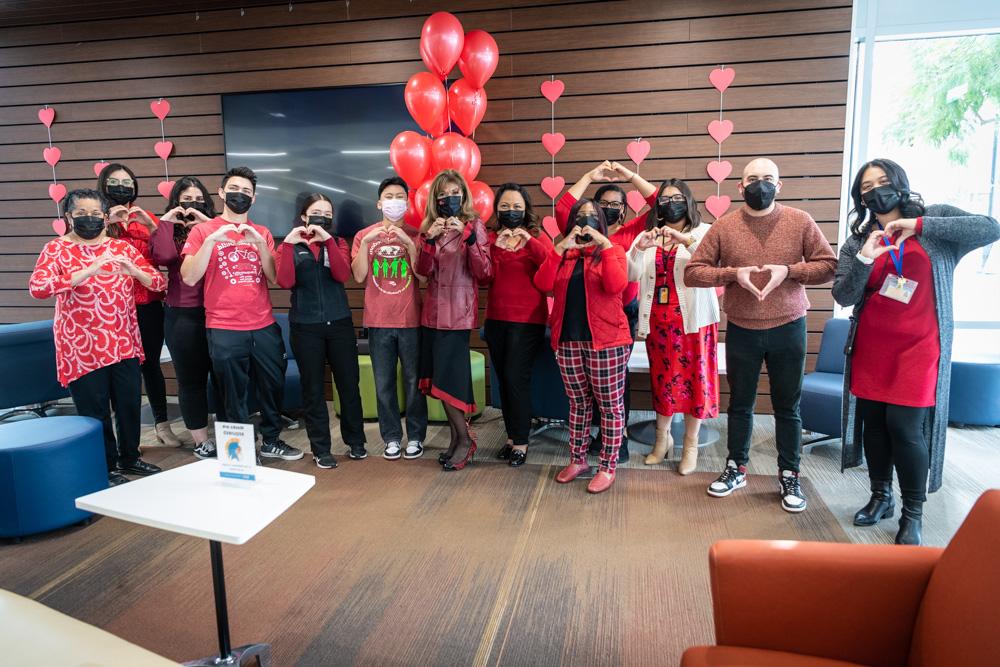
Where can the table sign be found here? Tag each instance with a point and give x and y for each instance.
(236, 451)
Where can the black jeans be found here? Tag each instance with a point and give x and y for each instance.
(117, 388)
(188, 345)
(387, 347)
(235, 354)
(893, 435)
(315, 346)
(513, 346)
(784, 350)
(150, 316)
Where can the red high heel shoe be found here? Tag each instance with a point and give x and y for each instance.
(448, 465)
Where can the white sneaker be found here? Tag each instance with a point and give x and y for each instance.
(414, 450)
(732, 478)
(392, 451)
(792, 499)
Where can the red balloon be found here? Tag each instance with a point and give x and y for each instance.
(441, 42)
(410, 155)
(477, 160)
(482, 199)
(413, 216)
(467, 105)
(420, 196)
(426, 100)
(479, 58)
(451, 151)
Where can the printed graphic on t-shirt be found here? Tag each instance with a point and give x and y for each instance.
(239, 263)
(390, 270)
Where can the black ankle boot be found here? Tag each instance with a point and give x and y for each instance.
(911, 523)
(880, 506)
(623, 453)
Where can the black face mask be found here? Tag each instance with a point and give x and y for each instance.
(612, 215)
(510, 219)
(760, 194)
(197, 206)
(882, 199)
(88, 227)
(120, 194)
(671, 211)
(238, 203)
(321, 221)
(449, 206)
(586, 222)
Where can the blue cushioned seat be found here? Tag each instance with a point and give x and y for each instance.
(823, 389)
(975, 390)
(28, 359)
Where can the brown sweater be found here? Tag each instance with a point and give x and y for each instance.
(785, 236)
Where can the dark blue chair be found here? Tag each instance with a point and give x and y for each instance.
(975, 390)
(823, 389)
(28, 359)
(45, 465)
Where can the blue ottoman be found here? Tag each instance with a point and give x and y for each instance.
(45, 465)
(975, 390)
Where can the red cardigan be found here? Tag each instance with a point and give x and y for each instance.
(603, 283)
(513, 296)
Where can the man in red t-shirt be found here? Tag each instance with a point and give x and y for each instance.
(236, 259)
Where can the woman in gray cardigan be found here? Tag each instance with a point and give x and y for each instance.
(898, 370)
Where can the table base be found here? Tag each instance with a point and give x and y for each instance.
(243, 655)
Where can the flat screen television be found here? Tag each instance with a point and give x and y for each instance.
(331, 140)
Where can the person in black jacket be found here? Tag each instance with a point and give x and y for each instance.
(314, 265)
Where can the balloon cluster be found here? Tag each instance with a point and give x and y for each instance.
(417, 158)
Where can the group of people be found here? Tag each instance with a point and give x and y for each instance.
(657, 277)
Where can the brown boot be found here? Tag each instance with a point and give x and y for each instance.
(689, 457)
(661, 448)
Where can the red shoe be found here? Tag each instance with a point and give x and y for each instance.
(571, 472)
(448, 465)
(602, 482)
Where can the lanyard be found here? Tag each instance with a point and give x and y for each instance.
(897, 260)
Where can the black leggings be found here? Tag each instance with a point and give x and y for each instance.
(150, 317)
(188, 344)
(513, 346)
(893, 435)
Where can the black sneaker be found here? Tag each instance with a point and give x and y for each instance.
(414, 450)
(732, 478)
(279, 450)
(114, 479)
(325, 461)
(358, 452)
(139, 467)
(792, 499)
(205, 450)
(393, 450)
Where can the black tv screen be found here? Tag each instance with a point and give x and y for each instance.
(332, 140)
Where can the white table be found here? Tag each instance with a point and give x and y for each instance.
(194, 500)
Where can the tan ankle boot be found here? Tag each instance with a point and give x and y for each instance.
(689, 458)
(165, 435)
(661, 448)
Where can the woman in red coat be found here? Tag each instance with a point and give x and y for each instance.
(586, 274)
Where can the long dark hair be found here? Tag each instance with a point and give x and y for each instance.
(181, 231)
(307, 203)
(102, 186)
(602, 223)
(693, 215)
(530, 217)
(911, 204)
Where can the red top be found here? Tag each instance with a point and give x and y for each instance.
(897, 346)
(336, 251)
(513, 296)
(95, 323)
(603, 283)
(236, 295)
(392, 294)
(137, 235)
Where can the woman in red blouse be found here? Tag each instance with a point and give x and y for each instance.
(98, 348)
(134, 225)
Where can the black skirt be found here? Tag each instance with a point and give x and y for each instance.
(445, 367)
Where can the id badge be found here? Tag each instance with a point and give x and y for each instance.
(898, 288)
(662, 295)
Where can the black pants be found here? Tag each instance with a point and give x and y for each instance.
(315, 346)
(116, 388)
(784, 350)
(150, 316)
(513, 346)
(893, 435)
(237, 354)
(188, 345)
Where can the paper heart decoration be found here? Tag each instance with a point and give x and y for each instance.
(635, 200)
(553, 90)
(160, 108)
(719, 171)
(638, 150)
(57, 191)
(720, 129)
(163, 149)
(718, 205)
(548, 302)
(553, 185)
(52, 155)
(550, 226)
(99, 167)
(47, 115)
(164, 188)
(721, 78)
(59, 226)
(553, 142)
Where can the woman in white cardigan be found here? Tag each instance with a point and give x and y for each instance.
(678, 323)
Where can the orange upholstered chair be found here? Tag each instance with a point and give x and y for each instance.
(816, 604)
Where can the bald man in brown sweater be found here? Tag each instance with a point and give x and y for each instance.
(763, 253)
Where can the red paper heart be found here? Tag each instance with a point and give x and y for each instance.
(164, 188)
(99, 167)
(549, 301)
(638, 150)
(51, 155)
(553, 185)
(47, 116)
(550, 226)
(719, 171)
(635, 200)
(163, 149)
(720, 129)
(717, 205)
(553, 90)
(59, 226)
(553, 142)
(160, 108)
(721, 78)
(57, 191)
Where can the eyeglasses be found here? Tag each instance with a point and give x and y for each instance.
(127, 182)
(617, 205)
(676, 198)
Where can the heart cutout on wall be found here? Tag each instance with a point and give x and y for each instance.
(553, 185)
(164, 188)
(635, 200)
(52, 155)
(638, 150)
(550, 226)
(553, 142)
(57, 191)
(99, 167)
(721, 78)
(720, 129)
(59, 226)
(719, 171)
(47, 116)
(717, 205)
(553, 90)
(163, 149)
(160, 108)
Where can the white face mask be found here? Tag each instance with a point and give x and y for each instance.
(393, 209)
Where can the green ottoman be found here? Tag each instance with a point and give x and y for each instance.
(435, 411)
(369, 404)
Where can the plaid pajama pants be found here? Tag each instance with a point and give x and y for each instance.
(590, 374)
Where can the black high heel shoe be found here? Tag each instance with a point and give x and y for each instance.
(518, 458)
(504, 453)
